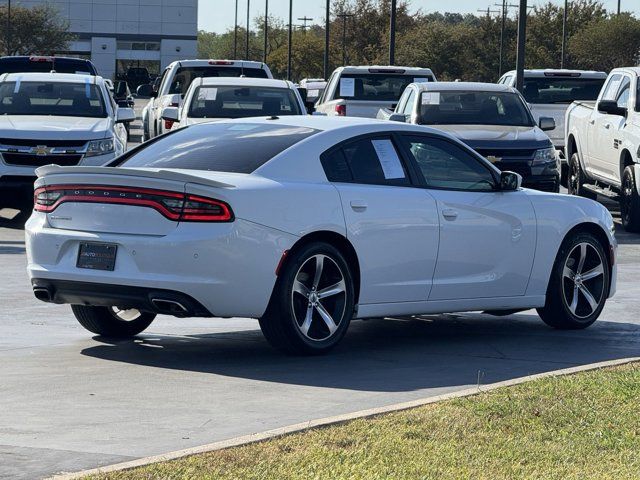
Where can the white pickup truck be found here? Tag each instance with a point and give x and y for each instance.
(603, 145)
(362, 91)
(549, 93)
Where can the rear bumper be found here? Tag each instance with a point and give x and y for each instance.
(101, 294)
(228, 269)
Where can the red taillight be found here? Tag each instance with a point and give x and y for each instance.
(179, 207)
(220, 62)
(341, 110)
(35, 58)
(168, 124)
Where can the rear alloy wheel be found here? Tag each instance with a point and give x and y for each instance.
(579, 284)
(630, 201)
(576, 179)
(112, 321)
(312, 304)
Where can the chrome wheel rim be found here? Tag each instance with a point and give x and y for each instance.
(583, 280)
(627, 194)
(125, 314)
(318, 298)
(574, 179)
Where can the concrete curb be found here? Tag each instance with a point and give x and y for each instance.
(278, 432)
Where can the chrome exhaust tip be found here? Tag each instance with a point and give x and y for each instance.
(169, 307)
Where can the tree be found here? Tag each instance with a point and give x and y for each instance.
(607, 43)
(35, 30)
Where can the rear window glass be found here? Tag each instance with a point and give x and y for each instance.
(375, 86)
(60, 65)
(219, 147)
(185, 75)
(561, 89)
(241, 102)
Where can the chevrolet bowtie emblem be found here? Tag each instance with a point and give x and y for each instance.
(41, 150)
(493, 159)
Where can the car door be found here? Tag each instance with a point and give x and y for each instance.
(597, 135)
(391, 223)
(487, 237)
(611, 133)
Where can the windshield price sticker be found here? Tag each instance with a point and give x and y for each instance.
(313, 93)
(388, 158)
(420, 80)
(207, 94)
(431, 98)
(347, 87)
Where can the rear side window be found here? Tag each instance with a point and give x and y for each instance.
(369, 160)
(219, 147)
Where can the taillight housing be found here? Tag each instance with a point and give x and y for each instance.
(341, 110)
(169, 123)
(179, 207)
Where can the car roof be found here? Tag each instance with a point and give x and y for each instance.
(634, 70)
(243, 81)
(546, 72)
(50, 77)
(466, 86)
(212, 62)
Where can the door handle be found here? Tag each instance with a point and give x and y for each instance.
(358, 205)
(449, 214)
(592, 122)
(607, 126)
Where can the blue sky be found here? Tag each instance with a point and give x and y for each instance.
(218, 15)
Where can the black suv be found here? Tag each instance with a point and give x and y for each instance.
(39, 63)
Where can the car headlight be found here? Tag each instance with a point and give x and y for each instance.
(545, 155)
(100, 147)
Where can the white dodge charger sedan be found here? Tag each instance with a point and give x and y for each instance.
(306, 223)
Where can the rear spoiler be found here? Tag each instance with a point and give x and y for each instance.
(49, 170)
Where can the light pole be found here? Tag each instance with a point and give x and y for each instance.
(522, 34)
(266, 22)
(327, 19)
(563, 57)
(618, 7)
(344, 17)
(8, 27)
(246, 55)
(289, 40)
(235, 34)
(392, 34)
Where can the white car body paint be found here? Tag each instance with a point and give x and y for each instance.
(411, 258)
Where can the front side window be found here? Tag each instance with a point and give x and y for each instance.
(185, 75)
(459, 107)
(612, 87)
(623, 92)
(368, 160)
(408, 108)
(447, 166)
(241, 102)
(219, 147)
(51, 98)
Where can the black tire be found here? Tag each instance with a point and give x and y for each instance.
(578, 312)
(630, 201)
(106, 322)
(576, 179)
(285, 321)
(564, 174)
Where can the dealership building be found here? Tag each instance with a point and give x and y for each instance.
(117, 34)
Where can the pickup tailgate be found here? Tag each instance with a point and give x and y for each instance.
(113, 200)
(367, 108)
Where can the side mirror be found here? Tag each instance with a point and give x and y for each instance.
(611, 108)
(546, 124)
(171, 114)
(124, 115)
(510, 181)
(398, 117)
(145, 90)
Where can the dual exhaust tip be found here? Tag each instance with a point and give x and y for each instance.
(161, 305)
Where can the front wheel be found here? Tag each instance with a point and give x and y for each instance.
(112, 321)
(312, 303)
(579, 284)
(577, 179)
(630, 201)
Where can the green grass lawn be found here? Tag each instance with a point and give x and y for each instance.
(583, 426)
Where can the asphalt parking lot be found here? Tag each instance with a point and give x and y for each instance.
(69, 401)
